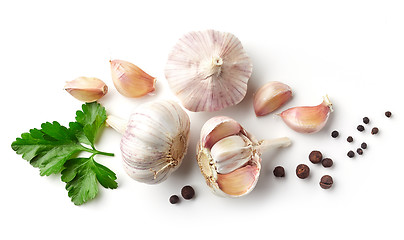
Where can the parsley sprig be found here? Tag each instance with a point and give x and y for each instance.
(54, 149)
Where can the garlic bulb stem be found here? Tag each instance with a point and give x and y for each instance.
(118, 124)
(214, 67)
(265, 145)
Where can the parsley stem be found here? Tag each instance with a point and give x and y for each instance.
(94, 151)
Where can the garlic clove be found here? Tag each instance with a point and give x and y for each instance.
(208, 70)
(130, 80)
(270, 97)
(308, 119)
(217, 128)
(240, 181)
(86, 89)
(231, 153)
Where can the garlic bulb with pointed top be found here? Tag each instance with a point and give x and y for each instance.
(154, 141)
(208, 70)
(229, 157)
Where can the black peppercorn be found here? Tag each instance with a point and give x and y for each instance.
(279, 171)
(351, 154)
(349, 139)
(174, 199)
(365, 120)
(315, 156)
(360, 128)
(302, 171)
(327, 162)
(387, 114)
(375, 130)
(334, 134)
(364, 145)
(359, 151)
(326, 182)
(187, 192)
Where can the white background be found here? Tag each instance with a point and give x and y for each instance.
(351, 50)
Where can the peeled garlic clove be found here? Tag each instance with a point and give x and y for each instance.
(130, 80)
(154, 141)
(208, 70)
(86, 89)
(270, 97)
(231, 152)
(231, 164)
(308, 119)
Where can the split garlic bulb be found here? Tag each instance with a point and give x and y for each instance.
(229, 157)
(208, 70)
(154, 141)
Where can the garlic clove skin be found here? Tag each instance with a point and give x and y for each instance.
(86, 89)
(208, 70)
(154, 141)
(308, 119)
(270, 97)
(226, 173)
(130, 80)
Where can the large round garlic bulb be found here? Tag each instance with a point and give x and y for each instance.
(154, 141)
(208, 70)
(230, 158)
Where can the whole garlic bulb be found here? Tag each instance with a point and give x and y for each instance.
(229, 157)
(154, 141)
(208, 70)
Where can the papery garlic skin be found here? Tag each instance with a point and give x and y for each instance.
(270, 97)
(308, 119)
(229, 157)
(86, 89)
(208, 70)
(130, 80)
(155, 140)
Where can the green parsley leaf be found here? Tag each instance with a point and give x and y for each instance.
(52, 149)
(48, 148)
(81, 176)
(92, 119)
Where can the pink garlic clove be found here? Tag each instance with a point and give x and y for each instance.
(86, 89)
(308, 119)
(130, 80)
(240, 181)
(270, 97)
(217, 128)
